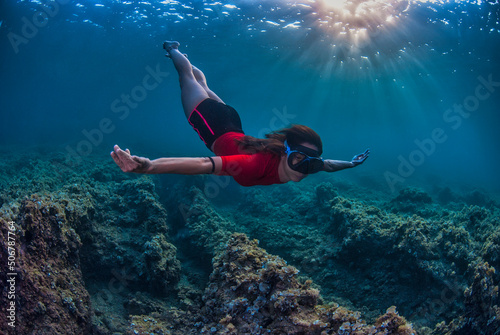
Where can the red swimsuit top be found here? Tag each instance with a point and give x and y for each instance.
(247, 169)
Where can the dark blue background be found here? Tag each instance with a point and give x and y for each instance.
(393, 90)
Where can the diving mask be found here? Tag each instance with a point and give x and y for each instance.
(309, 160)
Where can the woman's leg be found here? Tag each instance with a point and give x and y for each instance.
(200, 77)
(192, 92)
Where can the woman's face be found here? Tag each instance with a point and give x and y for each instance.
(292, 174)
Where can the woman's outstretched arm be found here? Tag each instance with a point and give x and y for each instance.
(332, 165)
(177, 165)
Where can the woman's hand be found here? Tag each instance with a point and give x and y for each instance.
(129, 163)
(359, 159)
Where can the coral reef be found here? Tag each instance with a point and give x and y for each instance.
(351, 248)
(102, 252)
(121, 230)
(131, 236)
(253, 292)
(250, 291)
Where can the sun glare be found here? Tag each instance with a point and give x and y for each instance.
(355, 35)
(358, 20)
(335, 4)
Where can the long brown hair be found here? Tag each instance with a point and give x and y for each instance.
(273, 143)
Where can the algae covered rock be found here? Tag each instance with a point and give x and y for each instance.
(172, 321)
(482, 313)
(161, 264)
(126, 233)
(251, 289)
(125, 250)
(325, 192)
(208, 229)
(89, 240)
(412, 195)
(253, 292)
(481, 300)
(411, 200)
(49, 296)
(118, 234)
(491, 248)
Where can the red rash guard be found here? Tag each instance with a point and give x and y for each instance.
(247, 169)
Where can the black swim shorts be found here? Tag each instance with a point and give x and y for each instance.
(211, 119)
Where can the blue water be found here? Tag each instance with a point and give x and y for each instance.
(363, 74)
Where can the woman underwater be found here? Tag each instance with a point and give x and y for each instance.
(285, 155)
